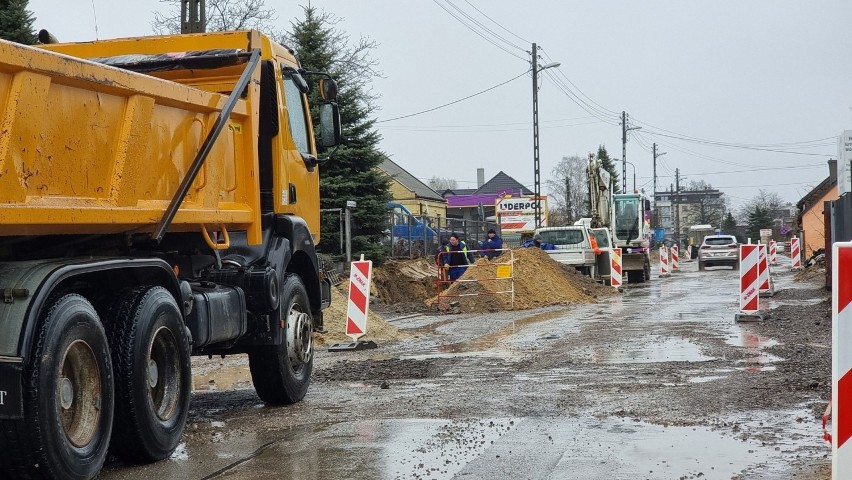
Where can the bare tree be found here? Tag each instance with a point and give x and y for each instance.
(440, 184)
(768, 201)
(568, 190)
(222, 15)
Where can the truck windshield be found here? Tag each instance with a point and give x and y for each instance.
(563, 237)
(627, 218)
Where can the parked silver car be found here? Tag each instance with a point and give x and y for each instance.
(719, 250)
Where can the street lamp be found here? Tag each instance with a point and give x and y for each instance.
(536, 170)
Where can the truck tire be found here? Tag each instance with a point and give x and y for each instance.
(68, 398)
(153, 380)
(281, 373)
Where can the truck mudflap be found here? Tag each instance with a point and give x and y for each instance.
(633, 261)
(11, 390)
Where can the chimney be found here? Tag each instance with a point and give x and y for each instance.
(480, 177)
(832, 170)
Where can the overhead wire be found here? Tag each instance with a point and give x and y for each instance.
(496, 23)
(597, 106)
(483, 27)
(477, 32)
(453, 102)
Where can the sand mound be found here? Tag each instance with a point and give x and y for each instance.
(538, 281)
(400, 281)
(334, 318)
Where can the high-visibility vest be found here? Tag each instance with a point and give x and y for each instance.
(463, 251)
(594, 244)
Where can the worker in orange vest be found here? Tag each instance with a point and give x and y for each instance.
(594, 243)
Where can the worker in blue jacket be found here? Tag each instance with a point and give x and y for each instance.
(536, 242)
(492, 245)
(456, 258)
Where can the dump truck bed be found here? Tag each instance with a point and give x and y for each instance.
(91, 149)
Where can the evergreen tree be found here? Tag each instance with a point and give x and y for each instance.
(16, 22)
(730, 223)
(609, 165)
(757, 219)
(351, 173)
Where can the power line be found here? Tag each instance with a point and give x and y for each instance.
(493, 124)
(491, 32)
(454, 101)
(463, 130)
(492, 42)
(727, 145)
(603, 110)
(495, 22)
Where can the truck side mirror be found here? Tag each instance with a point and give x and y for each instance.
(329, 125)
(328, 89)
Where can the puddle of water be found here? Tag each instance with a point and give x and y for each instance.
(225, 378)
(742, 337)
(650, 349)
(582, 447)
(485, 345)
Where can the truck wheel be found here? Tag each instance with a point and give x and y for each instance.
(68, 398)
(281, 373)
(150, 352)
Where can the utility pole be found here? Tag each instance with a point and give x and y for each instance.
(656, 211)
(623, 151)
(677, 211)
(193, 16)
(568, 197)
(536, 170)
(536, 165)
(624, 130)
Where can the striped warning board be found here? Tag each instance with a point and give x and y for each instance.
(763, 278)
(795, 253)
(773, 253)
(675, 258)
(664, 261)
(841, 360)
(359, 298)
(688, 254)
(615, 267)
(749, 277)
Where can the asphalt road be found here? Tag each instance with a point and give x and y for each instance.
(658, 382)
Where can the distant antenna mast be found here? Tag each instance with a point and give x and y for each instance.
(95, 15)
(193, 17)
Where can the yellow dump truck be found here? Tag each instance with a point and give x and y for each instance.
(159, 198)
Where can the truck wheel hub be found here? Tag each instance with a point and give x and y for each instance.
(299, 338)
(153, 373)
(66, 394)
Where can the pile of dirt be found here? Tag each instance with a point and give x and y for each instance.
(538, 281)
(404, 281)
(334, 319)
(811, 273)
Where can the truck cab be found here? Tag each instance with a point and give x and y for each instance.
(573, 247)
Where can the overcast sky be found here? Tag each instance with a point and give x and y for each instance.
(756, 75)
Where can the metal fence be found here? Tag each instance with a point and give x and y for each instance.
(413, 236)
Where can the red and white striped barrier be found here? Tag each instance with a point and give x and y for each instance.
(841, 360)
(795, 253)
(675, 258)
(615, 267)
(359, 298)
(767, 287)
(749, 285)
(360, 273)
(688, 254)
(664, 261)
(773, 253)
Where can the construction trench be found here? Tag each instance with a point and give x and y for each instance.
(575, 381)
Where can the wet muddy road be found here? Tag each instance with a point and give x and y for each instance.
(656, 383)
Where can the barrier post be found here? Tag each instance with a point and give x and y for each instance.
(749, 278)
(675, 258)
(359, 305)
(615, 268)
(688, 254)
(664, 262)
(773, 253)
(795, 253)
(841, 360)
(767, 286)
